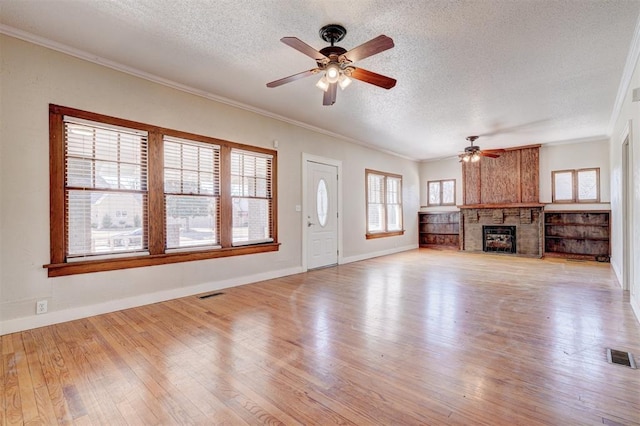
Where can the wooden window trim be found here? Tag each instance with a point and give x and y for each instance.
(59, 266)
(385, 233)
(441, 181)
(574, 186)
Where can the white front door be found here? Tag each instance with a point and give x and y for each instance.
(321, 215)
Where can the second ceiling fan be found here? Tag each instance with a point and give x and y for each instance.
(336, 63)
(473, 152)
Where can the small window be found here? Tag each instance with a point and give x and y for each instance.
(384, 204)
(322, 203)
(576, 186)
(441, 192)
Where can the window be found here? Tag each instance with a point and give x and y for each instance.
(384, 204)
(251, 197)
(576, 186)
(441, 192)
(105, 174)
(127, 194)
(192, 193)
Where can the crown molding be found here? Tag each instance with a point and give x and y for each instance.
(81, 54)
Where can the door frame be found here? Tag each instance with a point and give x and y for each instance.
(306, 159)
(626, 207)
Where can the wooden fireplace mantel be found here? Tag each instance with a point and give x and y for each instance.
(500, 206)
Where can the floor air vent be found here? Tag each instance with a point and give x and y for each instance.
(206, 296)
(621, 358)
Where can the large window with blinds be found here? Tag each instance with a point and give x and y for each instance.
(127, 194)
(384, 204)
(105, 188)
(192, 193)
(251, 196)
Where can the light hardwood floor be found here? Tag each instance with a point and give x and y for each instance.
(422, 337)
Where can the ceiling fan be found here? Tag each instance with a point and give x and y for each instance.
(473, 152)
(336, 64)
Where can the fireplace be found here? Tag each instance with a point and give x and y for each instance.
(499, 239)
(526, 219)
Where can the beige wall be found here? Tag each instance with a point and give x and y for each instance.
(448, 168)
(33, 76)
(560, 156)
(576, 155)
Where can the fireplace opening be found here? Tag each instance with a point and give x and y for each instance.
(499, 239)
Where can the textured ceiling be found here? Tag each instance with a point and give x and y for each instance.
(516, 72)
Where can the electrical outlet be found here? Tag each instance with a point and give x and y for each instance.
(41, 307)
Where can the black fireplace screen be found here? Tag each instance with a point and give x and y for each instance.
(501, 239)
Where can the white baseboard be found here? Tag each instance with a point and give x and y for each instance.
(635, 307)
(377, 254)
(617, 273)
(56, 317)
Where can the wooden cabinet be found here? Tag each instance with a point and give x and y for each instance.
(439, 229)
(581, 234)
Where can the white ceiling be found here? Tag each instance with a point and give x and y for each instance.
(518, 72)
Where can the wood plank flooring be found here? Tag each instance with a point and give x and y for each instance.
(425, 337)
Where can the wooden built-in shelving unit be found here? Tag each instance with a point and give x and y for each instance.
(580, 234)
(440, 229)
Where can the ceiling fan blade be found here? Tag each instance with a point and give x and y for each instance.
(488, 154)
(303, 47)
(373, 78)
(293, 77)
(495, 151)
(330, 95)
(371, 47)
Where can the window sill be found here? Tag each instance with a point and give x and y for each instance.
(83, 267)
(384, 234)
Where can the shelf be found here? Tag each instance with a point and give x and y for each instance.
(576, 224)
(578, 238)
(440, 223)
(439, 229)
(583, 234)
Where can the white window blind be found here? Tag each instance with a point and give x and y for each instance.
(251, 197)
(375, 207)
(394, 204)
(192, 193)
(384, 203)
(105, 189)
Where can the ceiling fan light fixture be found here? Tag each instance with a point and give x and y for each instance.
(466, 158)
(323, 84)
(475, 157)
(344, 81)
(332, 72)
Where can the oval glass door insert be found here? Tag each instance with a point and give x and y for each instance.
(322, 202)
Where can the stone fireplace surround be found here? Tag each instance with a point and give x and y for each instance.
(527, 218)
